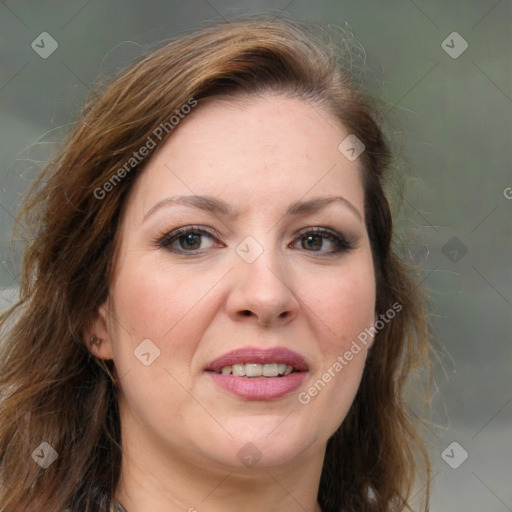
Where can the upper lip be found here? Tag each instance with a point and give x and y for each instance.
(259, 355)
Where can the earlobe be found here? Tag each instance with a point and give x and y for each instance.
(97, 335)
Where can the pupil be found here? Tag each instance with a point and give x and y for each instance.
(192, 241)
(313, 242)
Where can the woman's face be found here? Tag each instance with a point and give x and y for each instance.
(272, 260)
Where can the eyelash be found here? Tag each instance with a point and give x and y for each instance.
(341, 243)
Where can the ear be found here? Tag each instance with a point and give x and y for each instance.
(98, 329)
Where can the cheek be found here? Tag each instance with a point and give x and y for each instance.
(166, 304)
(344, 308)
(152, 300)
(346, 304)
(155, 303)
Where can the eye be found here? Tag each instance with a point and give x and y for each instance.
(197, 239)
(191, 239)
(322, 240)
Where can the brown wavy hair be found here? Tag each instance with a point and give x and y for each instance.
(53, 389)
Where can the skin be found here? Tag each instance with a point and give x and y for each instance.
(181, 433)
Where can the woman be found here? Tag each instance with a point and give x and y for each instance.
(212, 316)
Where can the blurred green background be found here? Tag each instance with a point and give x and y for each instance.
(455, 113)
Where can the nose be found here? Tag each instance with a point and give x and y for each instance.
(262, 293)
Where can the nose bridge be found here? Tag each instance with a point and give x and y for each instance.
(260, 265)
(261, 288)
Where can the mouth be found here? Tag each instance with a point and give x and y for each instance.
(253, 373)
(255, 370)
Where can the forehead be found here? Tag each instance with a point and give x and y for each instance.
(253, 152)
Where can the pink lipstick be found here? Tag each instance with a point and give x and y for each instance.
(254, 373)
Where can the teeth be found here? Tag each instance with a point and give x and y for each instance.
(270, 370)
(239, 369)
(257, 370)
(253, 370)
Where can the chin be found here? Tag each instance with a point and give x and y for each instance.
(264, 444)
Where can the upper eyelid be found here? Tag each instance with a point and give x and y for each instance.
(213, 232)
(177, 232)
(320, 229)
(174, 234)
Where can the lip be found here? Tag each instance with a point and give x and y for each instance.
(259, 388)
(261, 356)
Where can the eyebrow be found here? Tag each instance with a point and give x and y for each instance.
(206, 203)
(217, 206)
(317, 204)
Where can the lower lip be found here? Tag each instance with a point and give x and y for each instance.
(263, 388)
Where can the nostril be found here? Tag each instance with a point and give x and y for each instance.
(246, 312)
